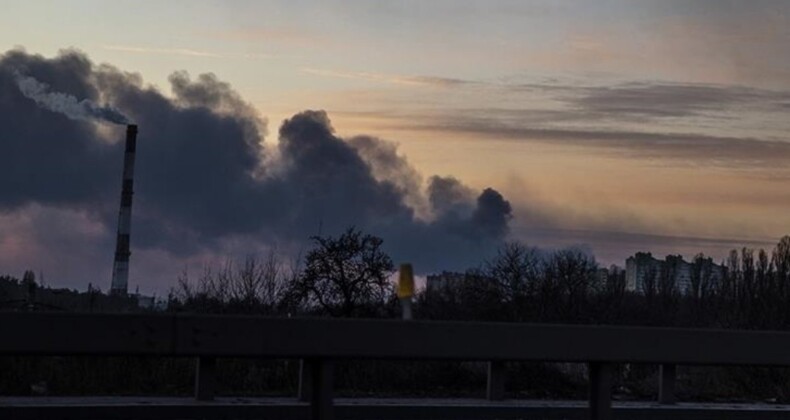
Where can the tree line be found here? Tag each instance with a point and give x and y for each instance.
(351, 276)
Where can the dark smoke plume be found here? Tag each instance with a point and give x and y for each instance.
(204, 178)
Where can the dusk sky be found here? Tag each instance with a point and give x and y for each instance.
(616, 126)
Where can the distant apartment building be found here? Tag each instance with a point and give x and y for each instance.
(638, 268)
(602, 275)
(643, 270)
(443, 281)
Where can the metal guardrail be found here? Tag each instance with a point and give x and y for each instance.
(320, 341)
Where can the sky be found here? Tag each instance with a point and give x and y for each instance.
(614, 126)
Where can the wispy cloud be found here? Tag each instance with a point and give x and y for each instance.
(186, 52)
(664, 99)
(163, 51)
(281, 36)
(661, 100)
(720, 125)
(723, 151)
(408, 80)
(561, 101)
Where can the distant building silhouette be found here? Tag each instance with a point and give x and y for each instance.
(444, 281)
(643, 271)
(602, 274)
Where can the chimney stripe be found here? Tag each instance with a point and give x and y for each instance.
(120, 271)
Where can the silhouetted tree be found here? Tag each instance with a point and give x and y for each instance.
(515, 269)
(252, 286)
(667, 279)
(701, 277)
(29, 282)
(615, 282)
(650, 282)
(346, 276)
(781, 262)
(570, 277)
(764, 272)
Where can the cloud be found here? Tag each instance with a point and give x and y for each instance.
(204, 178)
(666, 100)
(35, 237)
(449, 197)
(678, 123)
(703, 42)
(161, 51)
(387, 165)
(645, 105)
(428, 81)
(714, 150)
(653, 99)
(185, 52)
(291, 37)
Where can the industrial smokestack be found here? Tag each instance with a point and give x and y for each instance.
(120, 270)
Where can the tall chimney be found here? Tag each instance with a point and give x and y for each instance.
(120, 270)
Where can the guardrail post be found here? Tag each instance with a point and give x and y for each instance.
(205, 381)
(495, 388)
(321, 406)
(305, 381)
(600, 390)
(666, 383)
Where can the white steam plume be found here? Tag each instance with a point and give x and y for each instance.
(67, 104)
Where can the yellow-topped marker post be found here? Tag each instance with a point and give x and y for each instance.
(406, 289)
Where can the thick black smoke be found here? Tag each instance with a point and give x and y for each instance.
(204, 177)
